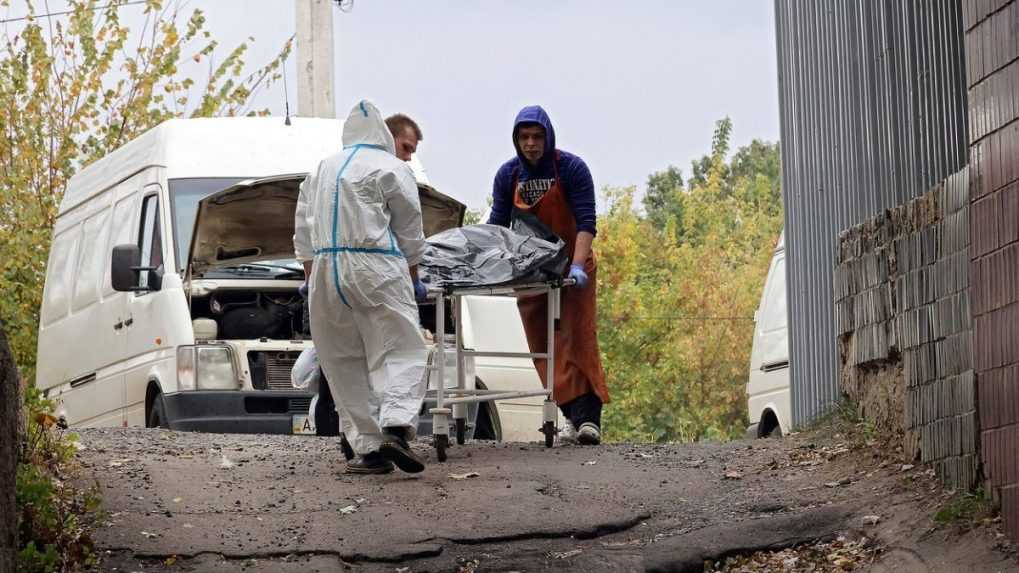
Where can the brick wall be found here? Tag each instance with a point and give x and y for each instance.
(905, 328)
(992, 65)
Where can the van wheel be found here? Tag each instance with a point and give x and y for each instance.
(484, 428)
(769, 426)
(486, 423)
(157, 417)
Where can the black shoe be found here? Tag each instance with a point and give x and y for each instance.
(348, 452)
(371, 463)
(395, 449)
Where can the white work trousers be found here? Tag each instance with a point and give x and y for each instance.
(372, 354)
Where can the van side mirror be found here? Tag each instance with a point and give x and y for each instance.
(125, 270)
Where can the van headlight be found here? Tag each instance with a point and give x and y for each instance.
(206, 368)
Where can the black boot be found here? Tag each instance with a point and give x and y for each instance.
(370, 463)
(396, 449)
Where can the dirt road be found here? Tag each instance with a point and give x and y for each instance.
(202, 502)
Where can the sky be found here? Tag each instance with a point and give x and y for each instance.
(631, 87)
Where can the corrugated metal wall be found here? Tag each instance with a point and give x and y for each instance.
(872, 97)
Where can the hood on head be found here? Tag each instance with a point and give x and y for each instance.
(530, 115)
(365, 126)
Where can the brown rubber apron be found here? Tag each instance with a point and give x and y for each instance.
(578, 368)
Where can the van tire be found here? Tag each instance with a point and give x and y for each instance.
(157, 417)
(486, 423)
(769, 426)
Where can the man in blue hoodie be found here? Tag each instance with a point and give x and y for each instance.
(556, 186)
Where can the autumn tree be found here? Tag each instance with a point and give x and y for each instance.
(75, 87)
(677, 293)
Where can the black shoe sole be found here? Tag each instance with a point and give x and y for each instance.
(372, 470)
(404, 459)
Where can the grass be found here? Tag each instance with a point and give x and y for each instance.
(964, 508)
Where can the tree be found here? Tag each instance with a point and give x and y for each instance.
(754, 171)
(73, 89)
(676, 300)
(10, 402)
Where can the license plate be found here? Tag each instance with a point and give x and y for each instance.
(303, 424)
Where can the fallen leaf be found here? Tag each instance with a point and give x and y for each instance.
(906, 467)
(831, 484)
(565, 554)
(589, 463)
(871, 519)
(170, 561)
(148, 535)
(733, 475)
(178, 499)
(467, 475)
(348, 510)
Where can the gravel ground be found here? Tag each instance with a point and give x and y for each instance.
(213, 502)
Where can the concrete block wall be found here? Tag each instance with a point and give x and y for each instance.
(904, 322)
(992, 65)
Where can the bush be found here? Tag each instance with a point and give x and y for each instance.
(54, 516)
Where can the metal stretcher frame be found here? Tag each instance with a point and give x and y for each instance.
(460, 396)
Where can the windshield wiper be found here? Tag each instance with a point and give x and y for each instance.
(246, 267)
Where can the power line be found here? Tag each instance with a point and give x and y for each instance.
(65, 12)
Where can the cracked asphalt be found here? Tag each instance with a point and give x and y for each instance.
(212, 502)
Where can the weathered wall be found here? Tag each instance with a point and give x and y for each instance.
(992, 58)
(902, 301)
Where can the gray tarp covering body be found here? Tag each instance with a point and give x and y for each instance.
(490, 255)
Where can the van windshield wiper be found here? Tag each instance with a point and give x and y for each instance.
(249, 267)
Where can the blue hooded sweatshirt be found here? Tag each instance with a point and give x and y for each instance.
(577, 184)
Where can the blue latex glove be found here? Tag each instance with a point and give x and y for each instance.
(577, 273)
(303, 290)
(420, 291)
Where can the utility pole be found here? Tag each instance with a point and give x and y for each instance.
(315, 59)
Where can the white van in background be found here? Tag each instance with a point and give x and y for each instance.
(171, 290)
(768, 387)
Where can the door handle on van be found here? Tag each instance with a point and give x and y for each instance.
(118, 325)
(129, 321)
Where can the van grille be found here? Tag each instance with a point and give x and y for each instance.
(270, 370)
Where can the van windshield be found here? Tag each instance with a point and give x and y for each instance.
(185, 195)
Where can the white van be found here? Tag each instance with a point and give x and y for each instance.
(768, 387)
(171, 290)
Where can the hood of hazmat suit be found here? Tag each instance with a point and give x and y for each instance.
(359, 219)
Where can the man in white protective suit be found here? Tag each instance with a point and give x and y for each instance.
(358, 232)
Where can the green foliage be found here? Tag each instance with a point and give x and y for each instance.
(71, 90)
(54, 517)
(752, 176)
(965, 509)
(677, 293)
(472, 217)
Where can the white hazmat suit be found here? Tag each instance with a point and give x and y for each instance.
(359, 218)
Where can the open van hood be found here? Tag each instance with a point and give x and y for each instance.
(254, 221)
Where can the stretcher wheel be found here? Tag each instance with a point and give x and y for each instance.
(548, 428)
(461, 431)
(441, 443)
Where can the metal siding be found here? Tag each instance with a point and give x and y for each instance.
(872, 113)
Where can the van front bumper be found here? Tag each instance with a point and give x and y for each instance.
(234, 411)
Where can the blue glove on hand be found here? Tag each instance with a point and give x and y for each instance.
(577, 273)
(303, 290)
(420, 291)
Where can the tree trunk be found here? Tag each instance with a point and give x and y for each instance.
(10, 416)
